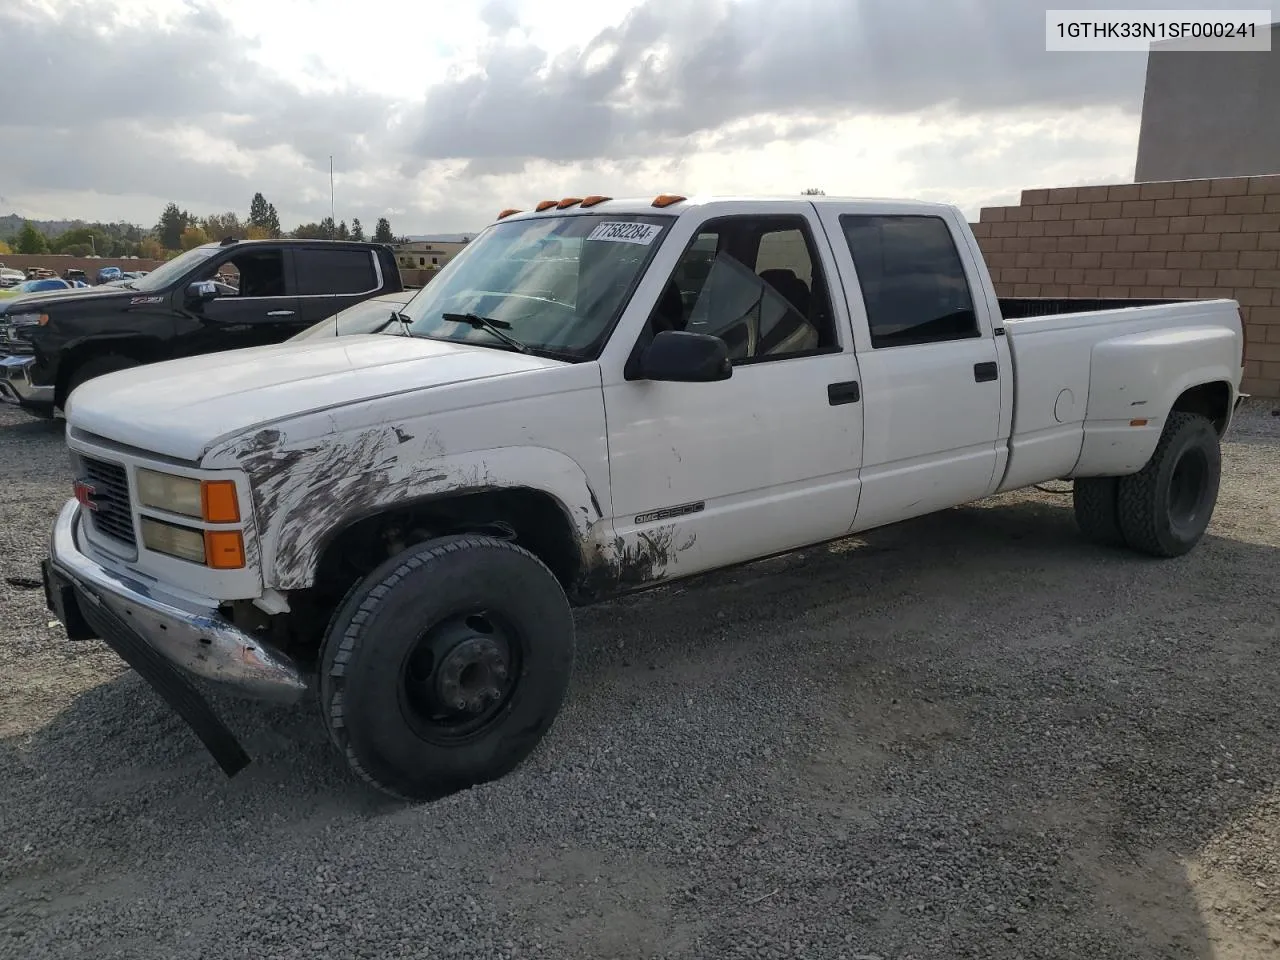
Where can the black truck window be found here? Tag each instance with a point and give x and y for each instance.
(327, 272)
(912, 278)
(254, 272)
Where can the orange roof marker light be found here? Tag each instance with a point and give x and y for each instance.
(667, 199)
(568, 202)
(509, 212)
(592, 200)
(544, 205)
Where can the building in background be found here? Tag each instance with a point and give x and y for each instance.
(1210, 114)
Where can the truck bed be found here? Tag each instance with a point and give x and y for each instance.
(1090, 375)
(1019, 308)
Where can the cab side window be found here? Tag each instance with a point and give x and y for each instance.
(912, 279)
(329, 272)
(754, 282)
(254, 272)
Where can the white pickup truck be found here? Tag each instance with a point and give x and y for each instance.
(594, 397)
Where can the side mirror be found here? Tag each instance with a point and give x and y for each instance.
(203, 291)
(682, 357)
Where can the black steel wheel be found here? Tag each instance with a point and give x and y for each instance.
(446, 666)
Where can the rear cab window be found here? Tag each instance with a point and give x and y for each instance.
(330, 272)
(912, 279)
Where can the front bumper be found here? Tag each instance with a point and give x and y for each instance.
(16, 386)
(168, 639)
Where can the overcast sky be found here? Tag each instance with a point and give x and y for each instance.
(438, 114)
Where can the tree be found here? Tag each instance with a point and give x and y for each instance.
(263, 214)
(813, 192)
(30, 240)
(172, 222)
(343, 232)
(258, 233)
(149, 249)
(192, 237)
(220, 225)
(5, 248)
(357, 231)
(273, 221)
(382, 233)
(310, 231)
(327, 228)
(258, 208)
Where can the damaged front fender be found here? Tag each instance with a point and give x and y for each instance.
(306, 489)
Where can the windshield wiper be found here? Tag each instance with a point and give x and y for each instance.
(403, 321)
(495, 327)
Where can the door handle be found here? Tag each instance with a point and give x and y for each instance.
(279, 313)
(985, 372)
(847, 392)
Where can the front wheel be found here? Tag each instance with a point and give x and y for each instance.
(446, 666)
(1165, 508)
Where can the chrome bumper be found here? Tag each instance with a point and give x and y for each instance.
(16, 386)
(189, 633)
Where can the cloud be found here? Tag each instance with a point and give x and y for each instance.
(871, 97)
(677, 68)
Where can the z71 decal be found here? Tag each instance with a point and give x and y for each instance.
(133, 301)
(666, 514)
(626, 232)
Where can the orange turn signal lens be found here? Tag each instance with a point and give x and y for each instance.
(592, 200)
(545, 205)
(667, 199)
(568, 202)
(218, 501)
(510, 211)
(1137, 423)
(223, 549)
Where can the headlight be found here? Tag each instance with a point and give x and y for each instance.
(181, 542)
(213, 501)
(217, 549)
(162, 491)
(28, 319)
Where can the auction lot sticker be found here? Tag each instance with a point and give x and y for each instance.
(626, 232)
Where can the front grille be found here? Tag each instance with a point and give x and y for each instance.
(113, 516)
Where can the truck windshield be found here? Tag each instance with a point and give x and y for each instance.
(166, 273)
(556, 284)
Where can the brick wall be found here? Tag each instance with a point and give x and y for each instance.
(1185, 238)
(60, 263)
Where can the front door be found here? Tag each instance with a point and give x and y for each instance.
(930, 367)
(704, 474)
(256, 304)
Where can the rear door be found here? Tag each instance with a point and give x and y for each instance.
(928, 359)
(331, 279)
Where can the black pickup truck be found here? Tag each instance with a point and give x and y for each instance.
(219, 296)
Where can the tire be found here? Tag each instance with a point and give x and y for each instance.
(1166, 507)
(1096, 502)
(466, 622)
(96, 367)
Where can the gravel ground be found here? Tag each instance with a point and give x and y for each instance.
(968, 736)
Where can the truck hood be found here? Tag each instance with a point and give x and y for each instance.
(40, 301)
(179, 408)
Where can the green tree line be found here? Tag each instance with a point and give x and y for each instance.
(179, 230)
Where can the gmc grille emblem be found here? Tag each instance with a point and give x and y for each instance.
(86, 494)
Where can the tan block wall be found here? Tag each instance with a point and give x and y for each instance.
(1185, 239)
(60, 263)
